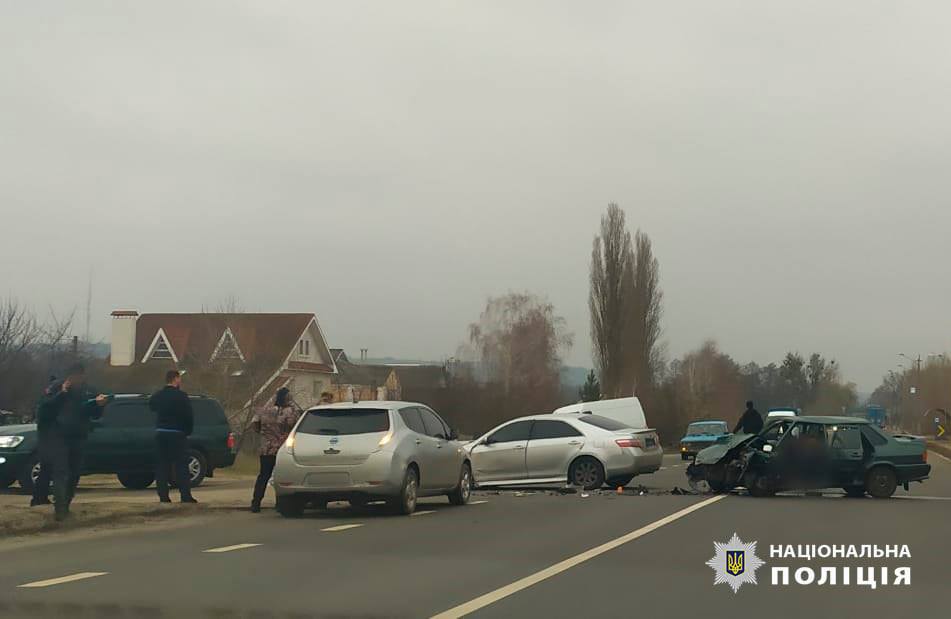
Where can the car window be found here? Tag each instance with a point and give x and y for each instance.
(208, 413)
(873, 435)
(602, 422)
(342, 421)
(412, 420)
(128, 415)
(552, 429)
(775, 431)
(847, 437)
(434, 425)
(517, 431)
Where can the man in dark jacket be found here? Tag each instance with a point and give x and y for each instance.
(750, 422)
(63, 421)
(173, 424)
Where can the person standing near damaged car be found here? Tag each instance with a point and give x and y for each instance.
(173, 425)
(750, 422)
(274, 423)
(63, 420)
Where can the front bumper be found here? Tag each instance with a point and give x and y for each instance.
(379, 476)
(11, 462)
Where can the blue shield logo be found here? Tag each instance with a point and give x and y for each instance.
(334, 440)
(735, 563)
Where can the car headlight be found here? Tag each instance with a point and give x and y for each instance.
(9, 442)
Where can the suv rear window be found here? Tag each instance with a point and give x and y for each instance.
(208, 413)
(603, 422)
(341, 421)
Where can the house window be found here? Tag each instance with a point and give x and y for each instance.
(161, 350)
(228, 349)
(303, 348)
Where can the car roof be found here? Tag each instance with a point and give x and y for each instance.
(145, 396)
(387, 404)
(707, 421)
(829, 420)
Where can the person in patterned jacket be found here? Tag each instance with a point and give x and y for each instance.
(274, 423)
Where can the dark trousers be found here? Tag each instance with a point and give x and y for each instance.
(172, 457)
(62, 456)
(260, 486)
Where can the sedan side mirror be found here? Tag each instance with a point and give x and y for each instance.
(453, 435)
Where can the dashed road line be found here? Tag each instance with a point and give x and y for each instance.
(61, 580)
(341, 527)
(230, 548)
(494, 596)
(423, 513)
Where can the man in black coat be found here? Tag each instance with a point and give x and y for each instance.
(63, 420)
(173, 424)
(750, 422)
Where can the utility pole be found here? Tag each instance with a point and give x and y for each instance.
(88, 305)
(916, 388)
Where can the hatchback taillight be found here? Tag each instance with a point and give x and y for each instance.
(232, 443)
(629, 442)
(924, 456)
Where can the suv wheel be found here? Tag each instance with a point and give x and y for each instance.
(197, 468)
(29, 473)
(291, 505)
(136, 481)
(881, 482)
(405, 503)
(460, 496)
(587, 473)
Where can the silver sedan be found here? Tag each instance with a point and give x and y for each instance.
(581, 449)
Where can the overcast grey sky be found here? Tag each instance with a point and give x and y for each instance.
(388, 165)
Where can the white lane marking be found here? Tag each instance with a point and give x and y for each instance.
(423, 513)
(477, 502)
(494, 596)
(230, 548)
(341, 527)
(61, 580)
(942, 456)
(663, 468)
(924, 498)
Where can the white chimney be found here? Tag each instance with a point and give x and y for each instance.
(123, 337)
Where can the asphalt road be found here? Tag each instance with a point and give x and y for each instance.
(505, 555)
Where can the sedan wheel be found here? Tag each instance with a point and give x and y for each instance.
(587, 473)
(460, 496)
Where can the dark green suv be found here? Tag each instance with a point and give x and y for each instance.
(123, 442)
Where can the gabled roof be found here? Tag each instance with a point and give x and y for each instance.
(195, 336)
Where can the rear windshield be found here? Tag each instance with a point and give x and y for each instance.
(603, 422)
(208, 413)
(706, 429)
(340, 421)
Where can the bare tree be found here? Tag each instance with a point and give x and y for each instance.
(646, 352)
(19, 331)
(609, 301)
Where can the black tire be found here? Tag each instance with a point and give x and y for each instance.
(291, 505)
(460, 496)
(197, 467)
(6, 482)
(28, 473)
(856, 492)
(136, 481)
(619, 481)
(758, 485)
(881, 482)
(405, 503)
(586, 472)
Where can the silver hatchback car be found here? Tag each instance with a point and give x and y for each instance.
(369, 451)
(581, 449)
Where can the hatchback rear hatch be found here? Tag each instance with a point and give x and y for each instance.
(339, 436)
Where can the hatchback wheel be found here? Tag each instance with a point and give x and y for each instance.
(460, 496)
(881, 482)
(405, 503)
(290, 505)
(587, 473)
(855, 491)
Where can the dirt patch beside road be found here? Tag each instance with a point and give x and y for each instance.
(940, 447)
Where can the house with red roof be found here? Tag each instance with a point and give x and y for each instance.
(239, 358)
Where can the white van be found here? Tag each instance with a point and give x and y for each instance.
(623, 410)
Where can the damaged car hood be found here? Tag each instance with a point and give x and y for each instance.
(715, 453)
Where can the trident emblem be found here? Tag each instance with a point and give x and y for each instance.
(734, 562)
